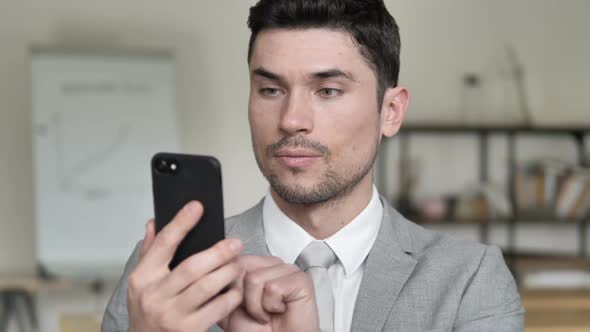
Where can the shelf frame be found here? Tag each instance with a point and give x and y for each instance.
(483, 132)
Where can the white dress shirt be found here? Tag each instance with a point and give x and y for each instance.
(285, 239)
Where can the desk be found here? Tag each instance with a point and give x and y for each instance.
(79, 323)
(556, 310)
(22, 288)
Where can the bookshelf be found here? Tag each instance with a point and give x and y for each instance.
(482, 133)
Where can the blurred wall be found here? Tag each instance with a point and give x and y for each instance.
(442, 40)
(209, 39)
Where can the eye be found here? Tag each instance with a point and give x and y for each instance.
(330, 92)
(270, 92)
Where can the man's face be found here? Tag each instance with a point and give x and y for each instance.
(313, 113)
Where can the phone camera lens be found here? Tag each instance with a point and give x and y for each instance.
(161, 165)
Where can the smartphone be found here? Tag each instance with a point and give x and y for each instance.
(178, 179)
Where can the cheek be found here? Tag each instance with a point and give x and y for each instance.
(355, 131)
(261, 127)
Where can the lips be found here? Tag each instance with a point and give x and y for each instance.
(296, 158)
(297, 153)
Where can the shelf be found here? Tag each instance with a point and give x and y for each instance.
(482, 134)
(453, 128)
(547, 261)
(500, 222)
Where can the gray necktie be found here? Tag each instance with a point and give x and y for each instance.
(315, 259)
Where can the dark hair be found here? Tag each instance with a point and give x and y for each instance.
(368, 22)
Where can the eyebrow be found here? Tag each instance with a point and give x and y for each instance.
(330, 73)
(267, 74)
(333, 73)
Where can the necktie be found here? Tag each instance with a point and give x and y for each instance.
(315, 260)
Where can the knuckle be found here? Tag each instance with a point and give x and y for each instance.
(200, 289)
(253, 280)
(164, 321)
(146, 304)
(216, 253)
(192, 268)
(304, 278)
(232, 300)
(216, 257)
(225, 251)
(221, 254)
(222, 307)
(166, 239)
(235, 269)
(273, 288)
(133, 281)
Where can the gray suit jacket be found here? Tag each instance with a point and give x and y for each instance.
(414, 280)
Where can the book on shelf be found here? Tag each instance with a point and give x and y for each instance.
(572, 201)
(479, 203)
(543, 190)
(552, 189)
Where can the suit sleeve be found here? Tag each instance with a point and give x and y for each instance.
(116, 316)
(490, 301)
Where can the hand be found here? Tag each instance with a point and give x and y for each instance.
(277, 297)
(184, 299)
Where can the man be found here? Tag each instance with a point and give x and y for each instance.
(323, 92)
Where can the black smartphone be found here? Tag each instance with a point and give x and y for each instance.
(178, 179)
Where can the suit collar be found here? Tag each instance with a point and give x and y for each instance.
(351, 244)
(404, 233)
(388, 265)
(387, 269)
(248, 227)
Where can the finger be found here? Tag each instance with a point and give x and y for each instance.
(148, 239)
(201, 291)
(293, 287)
(217, 309)
(253, 263)
(241, 321)
(199, 265)
(168, 239)
(255, 285)
(293, 297)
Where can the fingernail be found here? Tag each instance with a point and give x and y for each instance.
(235, 245)
(192, 207)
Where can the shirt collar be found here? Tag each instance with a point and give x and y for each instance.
(286, 239)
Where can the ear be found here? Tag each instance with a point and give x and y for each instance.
(393, 110)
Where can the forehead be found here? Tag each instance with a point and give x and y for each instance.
(306, 50)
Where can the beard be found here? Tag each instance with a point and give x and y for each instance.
(331, 184)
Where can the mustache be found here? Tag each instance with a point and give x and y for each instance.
(298, 142)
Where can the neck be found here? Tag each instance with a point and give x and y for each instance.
(325, 219)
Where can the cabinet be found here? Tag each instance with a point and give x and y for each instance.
(481, 134)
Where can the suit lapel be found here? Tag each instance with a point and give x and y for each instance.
(388, 267)
(248, 227)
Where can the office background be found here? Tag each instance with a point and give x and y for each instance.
(442, 41)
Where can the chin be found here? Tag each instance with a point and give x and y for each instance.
(305, 191)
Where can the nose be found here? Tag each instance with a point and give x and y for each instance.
(297, 114)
